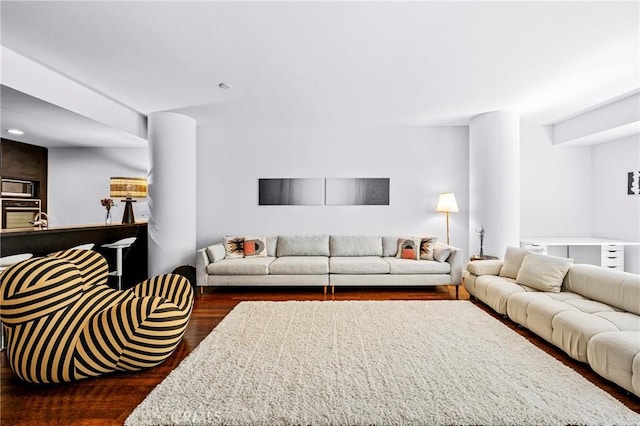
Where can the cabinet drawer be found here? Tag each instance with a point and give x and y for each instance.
(612, 254)
(612, 248)
(612, 261)
(617, 268)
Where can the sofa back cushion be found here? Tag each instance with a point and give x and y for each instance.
(543, 272)
(349, 246)
(513, 258)
(615, 288)
(303, 245)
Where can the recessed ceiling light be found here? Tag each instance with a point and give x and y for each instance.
(224, 86)
(15, 131)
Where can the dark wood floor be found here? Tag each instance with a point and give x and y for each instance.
(109, 400)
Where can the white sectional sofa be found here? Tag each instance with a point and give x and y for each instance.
(590, 312)
(324, 260)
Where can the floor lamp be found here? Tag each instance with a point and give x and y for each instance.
(447, 204)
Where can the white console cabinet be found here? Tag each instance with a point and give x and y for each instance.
(603, 252)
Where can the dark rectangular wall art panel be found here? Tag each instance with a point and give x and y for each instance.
(357, 191)
(290, 192)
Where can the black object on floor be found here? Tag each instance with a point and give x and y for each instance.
(187, 271)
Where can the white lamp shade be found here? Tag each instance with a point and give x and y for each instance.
(447, 203)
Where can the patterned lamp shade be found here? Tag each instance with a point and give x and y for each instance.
(128, 187)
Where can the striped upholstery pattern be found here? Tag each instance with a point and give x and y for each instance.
(63, 322)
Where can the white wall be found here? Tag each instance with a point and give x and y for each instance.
(555, 186)
(79, 179)
(615, 213)
(421, 162)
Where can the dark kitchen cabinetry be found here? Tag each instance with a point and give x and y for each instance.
(43, 241)
(23, 161)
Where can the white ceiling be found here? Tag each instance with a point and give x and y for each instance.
(48, 125)
(326, 64)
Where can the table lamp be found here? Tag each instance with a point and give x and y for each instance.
(128, 188)
(447, 204)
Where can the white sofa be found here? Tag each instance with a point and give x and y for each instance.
(592, 313)
(325, 260)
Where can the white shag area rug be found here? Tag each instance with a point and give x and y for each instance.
(373, 363)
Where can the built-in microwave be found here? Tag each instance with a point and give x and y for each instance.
(17, 188)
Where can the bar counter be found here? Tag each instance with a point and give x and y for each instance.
(42, 241)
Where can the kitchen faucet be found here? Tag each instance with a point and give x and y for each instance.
(41, 220)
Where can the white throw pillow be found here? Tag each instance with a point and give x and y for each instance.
(441, 253)
(543, 272)
(216, 252)
(513, 258)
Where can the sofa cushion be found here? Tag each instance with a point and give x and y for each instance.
(407, 267)
(623, 320)
(255, 246)
(572, 331)
(234, 247)
(494, 290)
(513, 258)
(543, 272)
(614, 355)
(358, 265)
(345, 245)
(408, 248)
(249, 266)
(615, 288)
(303, 245)
(589, 306)
(216, 252)
(565, 296)
(536, 312)
(427, 244)
(300, 265)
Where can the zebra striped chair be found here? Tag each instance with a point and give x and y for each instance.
(63, 323)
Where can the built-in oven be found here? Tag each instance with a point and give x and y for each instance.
(15, 188)
(18, 212)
